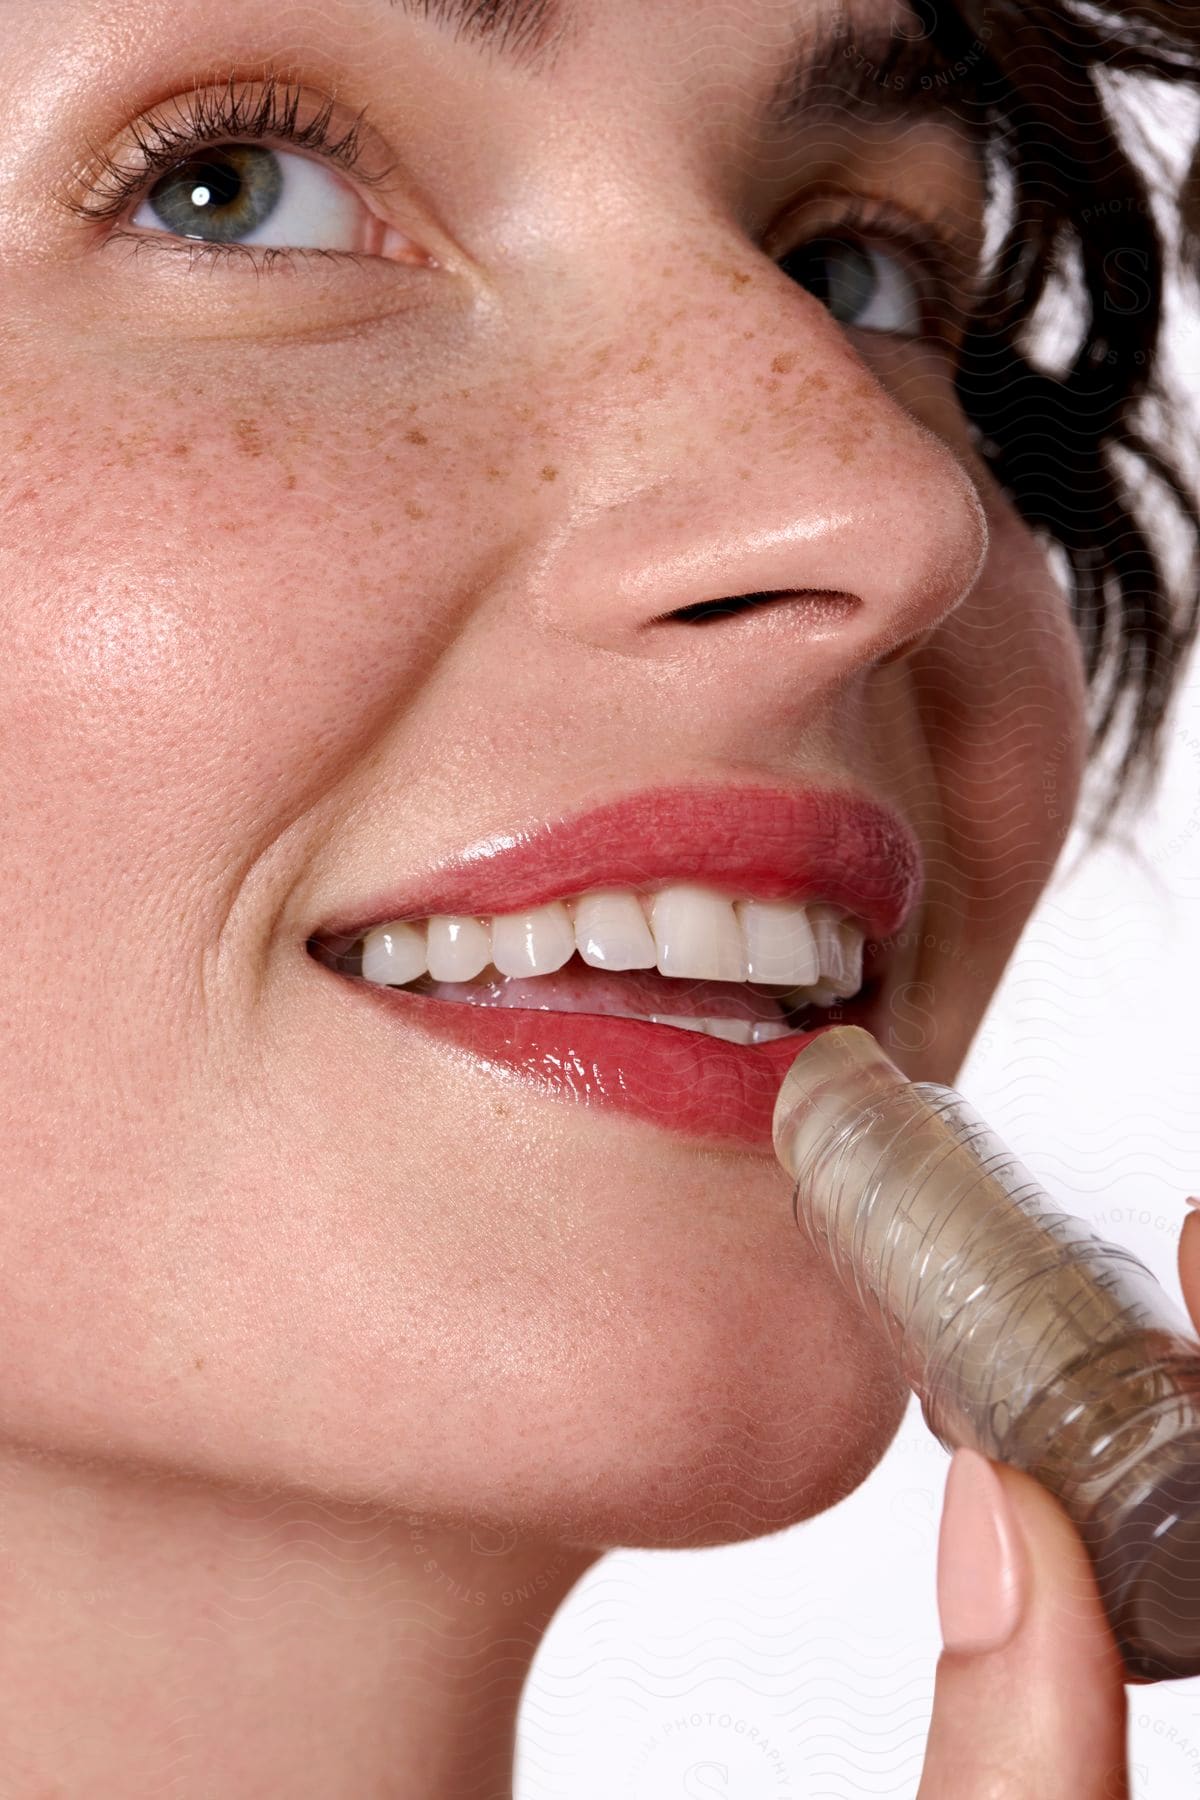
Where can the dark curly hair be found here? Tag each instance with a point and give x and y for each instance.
(1091, 450)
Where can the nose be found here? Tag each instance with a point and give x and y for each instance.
(751, 470)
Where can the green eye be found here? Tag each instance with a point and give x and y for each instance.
(862, 284)
(219, 194)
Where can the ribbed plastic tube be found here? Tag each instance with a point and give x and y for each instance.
(1022, 1332)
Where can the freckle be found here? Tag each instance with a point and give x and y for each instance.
(643, 363)
(290, 482)
(818, 383)
(416, 437)
(785, 362)
(181, 449)
(414, 511)
(199, 1362)
(493, 474)
(249, 436)
(549, 473)
(739, 278)
(376, 528)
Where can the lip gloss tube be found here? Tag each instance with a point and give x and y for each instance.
(1023, 1334)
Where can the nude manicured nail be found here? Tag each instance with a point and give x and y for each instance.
(982, 1563)
(1193, 1200)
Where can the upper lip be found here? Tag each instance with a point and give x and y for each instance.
(760, 842)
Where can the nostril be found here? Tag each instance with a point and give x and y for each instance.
(727, 608)
(704, 611)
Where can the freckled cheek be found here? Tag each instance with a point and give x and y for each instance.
(213, 621)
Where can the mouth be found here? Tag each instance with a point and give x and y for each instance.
(683, 1000)
(686, 956)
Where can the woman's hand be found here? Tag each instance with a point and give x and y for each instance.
(1029, 1702)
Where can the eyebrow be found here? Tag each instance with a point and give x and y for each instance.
(840, 69)
(874, 71)
(519, 29)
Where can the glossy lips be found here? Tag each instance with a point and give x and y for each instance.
(760, 843)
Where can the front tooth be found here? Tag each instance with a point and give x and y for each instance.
(457, 949)
(533, 943)
(780, 947)
(696, 934)
(394, 955)
(825, 921)
(611, 931)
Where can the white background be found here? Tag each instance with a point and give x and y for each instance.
(800, 1666)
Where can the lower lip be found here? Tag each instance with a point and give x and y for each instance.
(681, 1080)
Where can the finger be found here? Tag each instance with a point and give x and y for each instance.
(1029, 1702)
(1189, 1265)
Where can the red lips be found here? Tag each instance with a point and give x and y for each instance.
(753, 843)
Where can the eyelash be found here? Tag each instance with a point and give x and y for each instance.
(216, 118)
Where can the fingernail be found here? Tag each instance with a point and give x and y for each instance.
(1193, 1200)
(982, 1569)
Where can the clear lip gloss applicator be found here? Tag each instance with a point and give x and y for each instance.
(1023, 1334)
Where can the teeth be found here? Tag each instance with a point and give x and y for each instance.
(458, 949)
(611, 931)
(767, 1034)
(851, 940)
(821, 994)
(824, 921)
(394, 954)
(533, 943)
(696, 934)
(780, 947)
(734, 1031)
(810, 952)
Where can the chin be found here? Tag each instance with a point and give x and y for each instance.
(746, 1482)
(701, 1438)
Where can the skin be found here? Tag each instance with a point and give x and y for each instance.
(341, 1351)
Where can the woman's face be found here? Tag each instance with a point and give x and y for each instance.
(320, 570)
